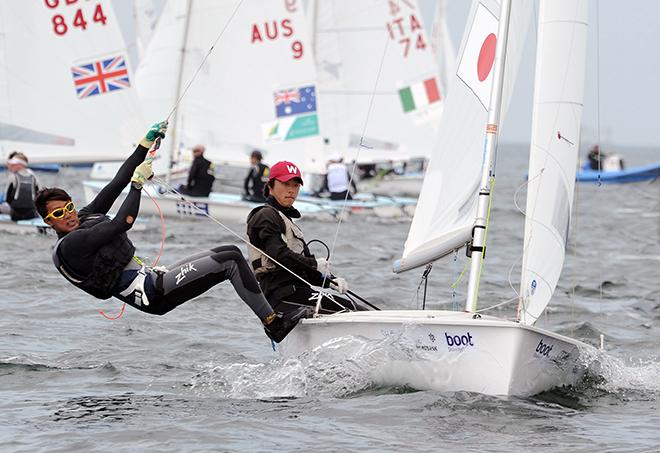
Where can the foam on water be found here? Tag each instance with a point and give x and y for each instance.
(613, 375)
(339, 368)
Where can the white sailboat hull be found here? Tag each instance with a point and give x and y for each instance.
(450, 351)
(221, 206)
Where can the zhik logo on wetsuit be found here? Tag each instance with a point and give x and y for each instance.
(184, 271)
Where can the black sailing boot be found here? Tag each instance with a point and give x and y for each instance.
(284, 323)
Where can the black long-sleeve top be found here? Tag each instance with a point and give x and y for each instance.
(200, 178)
(80, 246)
(254, 182)
(265, 228)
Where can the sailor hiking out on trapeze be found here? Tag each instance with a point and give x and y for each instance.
(94, 253)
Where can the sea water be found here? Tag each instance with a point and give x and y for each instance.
(205, 377)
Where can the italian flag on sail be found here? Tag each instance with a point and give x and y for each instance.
(419, 95)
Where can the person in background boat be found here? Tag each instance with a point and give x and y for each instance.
(595, 157)
(22, 186)
(256, 179)
(338, 179)
(604, 162)
(201, 176)
(94, 253)
(367, 171)
(271, 229)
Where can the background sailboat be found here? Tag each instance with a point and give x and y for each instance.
(465, 350)
(271, 105)
(66, 85)
(230, 110)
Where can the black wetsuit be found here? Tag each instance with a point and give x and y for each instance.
(82, 249)
(285, 291)
(595, 159)
(254, 183)
(200, 178)
(21, 189)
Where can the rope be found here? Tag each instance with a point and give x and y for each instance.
(513, 299)
(150, 156)
(598, 256)
(232, 232)
(483, 252)
(354, 166)
(208, 53)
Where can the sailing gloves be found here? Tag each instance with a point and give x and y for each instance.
(142, 173)
(157, 130)
(339, 284)
(323, 266)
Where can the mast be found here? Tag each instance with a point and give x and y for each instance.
(478, 245)
(174, 145)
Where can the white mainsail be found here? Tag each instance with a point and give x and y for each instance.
(145, 15)
(351, 39)
(442, 45)
(447, 204)
(242, 97)
(66, 88)
(558, 97)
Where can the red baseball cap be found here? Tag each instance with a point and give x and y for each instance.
(285, 171)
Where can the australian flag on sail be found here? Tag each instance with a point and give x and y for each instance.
(295, 101)
(99, 77)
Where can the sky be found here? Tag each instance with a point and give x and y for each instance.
(622, 86)
(622, 83)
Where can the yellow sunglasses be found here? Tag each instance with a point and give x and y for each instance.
(61, 212)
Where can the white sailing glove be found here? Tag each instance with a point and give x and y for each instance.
(323, 266)
(340, 285)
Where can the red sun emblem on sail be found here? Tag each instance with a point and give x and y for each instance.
(486, 57)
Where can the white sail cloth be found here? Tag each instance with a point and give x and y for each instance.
(66, 89)
(378, 79)
(558, 97)
(261, 61)
(447, 204)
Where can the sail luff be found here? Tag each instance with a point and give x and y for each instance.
(558, 97)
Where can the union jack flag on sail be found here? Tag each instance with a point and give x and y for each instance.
(99, 77)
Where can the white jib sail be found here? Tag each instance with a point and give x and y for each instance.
(256, 89)
(558, 96)
(400, 102)
(66, 88)
(447, 204)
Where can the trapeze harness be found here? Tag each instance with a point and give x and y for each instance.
(293, 237)
(22, 200)
(112, 259)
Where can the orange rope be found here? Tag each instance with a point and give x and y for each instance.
(160, 253)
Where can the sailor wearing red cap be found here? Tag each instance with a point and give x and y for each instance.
(271, 228)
